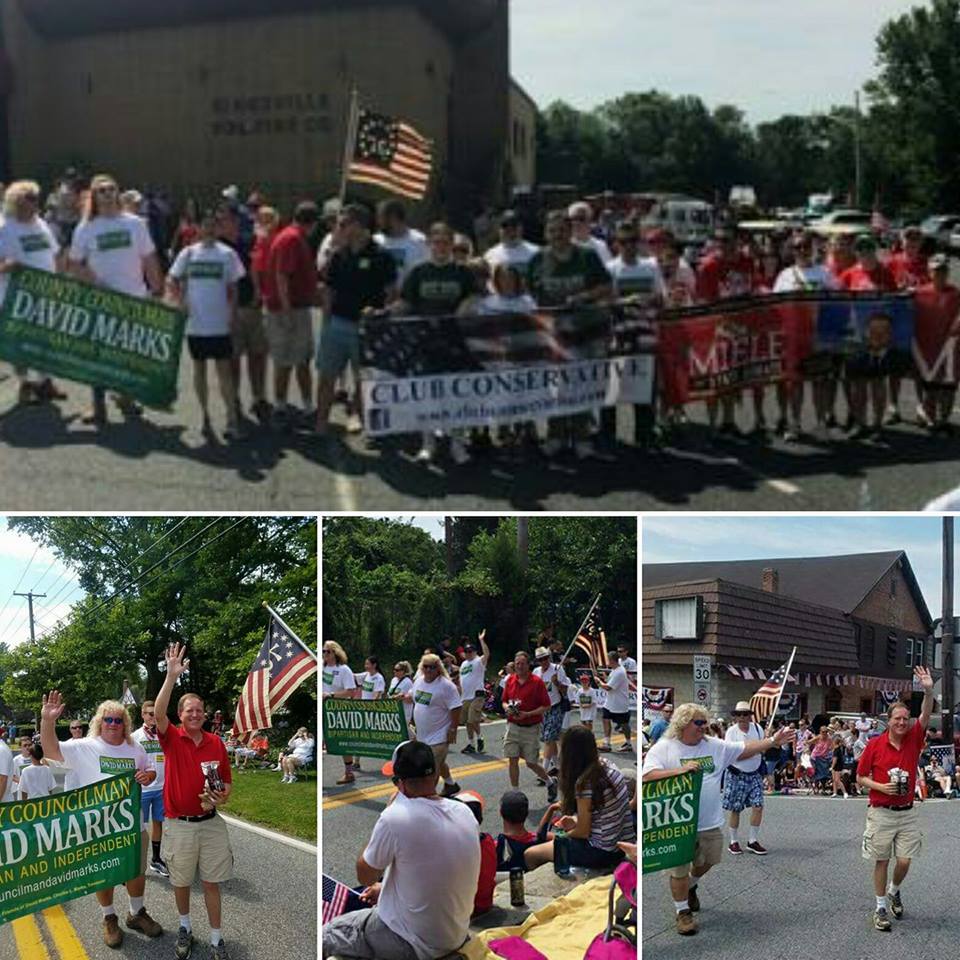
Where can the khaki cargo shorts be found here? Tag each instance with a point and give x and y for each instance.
(290, 336)
(249, 335)
(709, 852)
(522, 742)
(472, 710)
(892, 833)
(440, 751)
(189, 847)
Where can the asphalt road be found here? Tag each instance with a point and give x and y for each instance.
(269, 913)
(350, 812)
(812, 898)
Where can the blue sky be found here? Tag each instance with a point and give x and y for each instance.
(679, 539)
(767, 58)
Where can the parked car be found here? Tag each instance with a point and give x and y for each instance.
(845, 217)
(937, 229)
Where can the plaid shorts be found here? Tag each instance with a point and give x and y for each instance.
(551, 724)
(742, 790)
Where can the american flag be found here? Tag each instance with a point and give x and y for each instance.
(592, 640)
(391, 154)
(338, 898)
(282, 664)
(763, 701)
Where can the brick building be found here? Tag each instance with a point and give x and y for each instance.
(859, 623)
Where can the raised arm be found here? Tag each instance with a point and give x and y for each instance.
(922, 674)
(53, 706)
(483, 646)
(177, 663)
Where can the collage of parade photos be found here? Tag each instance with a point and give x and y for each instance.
(442, 440)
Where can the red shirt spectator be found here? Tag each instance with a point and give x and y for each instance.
(483, 900)
(720, 278)
(184, 780)
(880, 755)
(530, 695)
(290, 254)
(859, 277)
(909, 272)
(260, 264)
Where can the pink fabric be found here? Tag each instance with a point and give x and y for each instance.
(513, 948)
(626, 877)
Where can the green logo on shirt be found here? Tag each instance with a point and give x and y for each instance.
(117, 764)
(421, 696)
(705, 764)
(33, 242)
(114, 240)
(205, 270)
(447, 290)
(328, 678)
(368, 686)
(151, 746)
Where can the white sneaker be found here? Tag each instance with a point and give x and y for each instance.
(584, 449)
(458, 451)
(552, 447)
(427, 451)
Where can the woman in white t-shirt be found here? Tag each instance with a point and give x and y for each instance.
(372, 684)
(301, 746)
(113, 249)
(26, 239)
(338, 681)
(400, 685)
(204, 278)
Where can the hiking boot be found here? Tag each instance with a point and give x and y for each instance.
(184, 946)
(112, 934)
(754, 846)
(143, 922)
(469, 748)
(693, 901)
(896, 904)
(687, 925)
(553, 787)
(881, 921)
(479, 744)
(450, 789)
(735, 848)
(219, 952)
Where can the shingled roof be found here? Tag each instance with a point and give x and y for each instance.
(840, 582)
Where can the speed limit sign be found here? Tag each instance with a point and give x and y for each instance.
(701, 669)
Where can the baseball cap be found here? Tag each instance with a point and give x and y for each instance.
(413, 759)
(469, 646)
(473, 800)
(864, 242)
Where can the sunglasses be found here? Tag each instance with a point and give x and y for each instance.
(699, 723)
(114, 721)
(76, 728)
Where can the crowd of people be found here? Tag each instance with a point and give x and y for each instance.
(422, 905)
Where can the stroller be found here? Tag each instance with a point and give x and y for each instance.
(617, 942)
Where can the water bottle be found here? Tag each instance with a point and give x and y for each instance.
(516, 887)
(561, 854)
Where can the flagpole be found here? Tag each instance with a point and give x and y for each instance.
(353, 118)
(783, 686)
(286, 627)
(577, 634)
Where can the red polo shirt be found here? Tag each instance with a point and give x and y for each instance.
(880, 755)
(290, 254)
(531, 695)
(184, 777)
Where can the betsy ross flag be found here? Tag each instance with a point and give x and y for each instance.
(282, 664)
(591, 639)
(391, 154)
(338, 898)
(763, 702)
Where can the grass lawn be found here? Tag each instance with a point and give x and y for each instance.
(259, 797)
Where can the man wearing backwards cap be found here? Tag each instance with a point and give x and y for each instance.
(426, 850)
(743, 784)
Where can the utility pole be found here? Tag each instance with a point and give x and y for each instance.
(523, 542)
(946, 656)
(30, 595)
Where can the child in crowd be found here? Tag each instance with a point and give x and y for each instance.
(514, 810)
(36, 780)
(587, 697)
(22, 760)
(483, 899)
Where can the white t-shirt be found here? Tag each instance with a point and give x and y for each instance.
(471, 677)
(598, 246)
(337, 678)
(208, 272)
(19, 762)
(588, 702)
(404, 685)
(7, 770)
(618, 696)
(430, 850)
(92, 759)
(37, 780)
(407, 250)
(303, 749)
(32, 244)
(815, 277)
(553, 670)
(642, 278)
(735, 735)
(495, 303)
(114, 249)
(514, 255)
(629, 664)
(713, 756)
(371, 684)
(154, 752)
(432, 703)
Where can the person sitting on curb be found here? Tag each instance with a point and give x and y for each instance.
(511, 844)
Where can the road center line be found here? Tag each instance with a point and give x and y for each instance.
(29, 940)
(64, 935)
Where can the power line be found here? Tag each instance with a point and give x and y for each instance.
(15, 589)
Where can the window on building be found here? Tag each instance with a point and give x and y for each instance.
(679, 619)
(918, 654)
(871, 645)
(893, 586)
(908, 658)
(857, 638)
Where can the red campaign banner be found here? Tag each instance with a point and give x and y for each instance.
(936, 326)
(709, 351)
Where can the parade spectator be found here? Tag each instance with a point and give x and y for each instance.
(526, 700)
(289, 298)
(821, 753)
(586, 696)
(204, 278)
(187, 231)
(76, 729)
(515, 838)
(113, 249)
(685, 749)
(512, 250)
(406, 246)
(36, 778)
(743, 782)
(893, 826)
(487, 879)
(109, 737)
(595, 807)
(616, 710)
(679, 277)
(338, 681)
(420, 869)
(508, 294)
(472, 674)
(581, 219)
(151, 796)
(198, 783)
(938, 396)
(302, 745)
(838, 768)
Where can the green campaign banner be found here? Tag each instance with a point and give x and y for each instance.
(363, 728)
(67, 328)
(67, 845)
(670, 810)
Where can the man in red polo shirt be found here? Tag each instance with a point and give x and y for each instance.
(526, 700)
(893, 827)
(288, 298)
(197, 783)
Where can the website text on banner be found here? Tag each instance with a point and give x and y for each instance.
(67, 845)
(422, 373)
(363, 728)
(710, 350)
(671, 807)
(71, 329)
